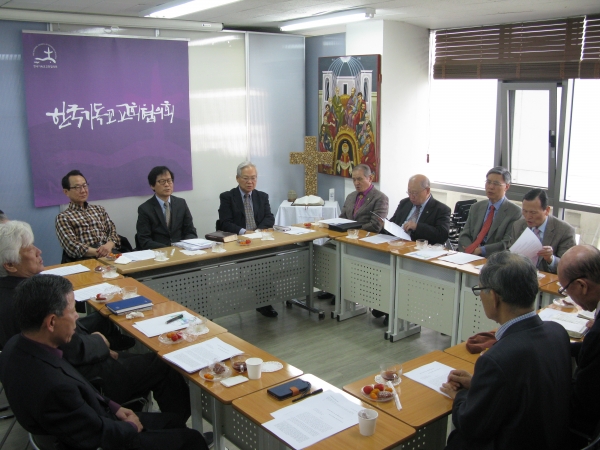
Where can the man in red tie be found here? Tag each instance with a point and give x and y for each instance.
(489, 225)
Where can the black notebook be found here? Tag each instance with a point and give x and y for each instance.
(289, 389)
(341, 227)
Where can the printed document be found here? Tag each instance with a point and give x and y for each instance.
(427, 254)
(158, 325)
(140, 255)
(198, 356)
(461, 258)
(298, 231)
(379, 238)
(431, 375)
(396, 230)
(527, 245)
(66, 270)
(336, 221)
(84, 294)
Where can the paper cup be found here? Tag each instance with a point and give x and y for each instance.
(254, 367)
(367, 419)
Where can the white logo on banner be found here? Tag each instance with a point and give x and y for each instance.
(44, 57)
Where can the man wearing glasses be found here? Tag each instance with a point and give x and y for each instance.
(489, 225)
(84, 231)
(517, 397)
(243, 208)
(579, 275)
(164, 218)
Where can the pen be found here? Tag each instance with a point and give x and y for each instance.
(173, 319)
(318, 391)
(172, 252)
(368, 234)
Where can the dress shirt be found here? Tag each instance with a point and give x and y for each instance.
(542, 230)
(412, 210)
(506, 325)
(162, 203)
(243, 230)
(497, 206)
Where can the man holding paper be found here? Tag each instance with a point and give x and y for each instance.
(517, 397)
(421, 215)
(555, 235)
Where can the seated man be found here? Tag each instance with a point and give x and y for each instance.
(124, 376)
(579, 275)
(245, 209)
(84, 231)
(365, 200)
(49, 397)
(421, 215)
(164, 218)
(517, 398)
(555, 235)
(489, 226)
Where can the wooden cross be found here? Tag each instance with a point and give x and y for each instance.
(311, 158)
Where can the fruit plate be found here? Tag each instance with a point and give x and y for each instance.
(245, 242)
(379, 400)
(215, 376)
(163, 338)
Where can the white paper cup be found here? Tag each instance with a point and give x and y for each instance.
(367, 419)
(129, 292)
(254, 367)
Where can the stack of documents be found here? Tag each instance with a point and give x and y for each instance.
(197, 357)
(194, 244)
(314, 419)
(575, 326)
(66, 270)
(141, 255)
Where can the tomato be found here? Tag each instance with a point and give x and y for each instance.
(367, 389)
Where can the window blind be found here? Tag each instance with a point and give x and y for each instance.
(590, 54)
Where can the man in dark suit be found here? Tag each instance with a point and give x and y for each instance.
(579, 276)
(164, 218)
(555, 235)
(421, 215)
(517, 398)
(49, 397)
(245, 209)
(489, 226)
(365, 200)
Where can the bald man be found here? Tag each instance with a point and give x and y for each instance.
(421, 215)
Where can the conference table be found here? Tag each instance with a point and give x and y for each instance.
(239, 279)
(422, 408)
(255, 409)
(84, 279)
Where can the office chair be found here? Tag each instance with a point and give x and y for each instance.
(6, 414)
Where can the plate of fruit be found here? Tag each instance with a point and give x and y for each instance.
(377, 392)
(215, 372)
(172, 337)
(244, 241)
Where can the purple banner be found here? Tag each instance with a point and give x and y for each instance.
(112, 108)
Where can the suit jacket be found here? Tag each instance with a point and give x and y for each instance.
(585, 389)
(376, 201)
(517, 399)
(152, 231)
(558, 234)
(232, 216)
(500, 233)
(49, 397)
(433, 224)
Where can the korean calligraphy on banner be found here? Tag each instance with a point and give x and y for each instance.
(110, 107)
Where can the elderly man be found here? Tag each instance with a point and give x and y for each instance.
(516, 399)
(365, 200)
(164, 218)
(84, 231)
(579, 275)
(124, 376)
(555, 235)
(49, 397)
(489, 225)
(421, 215)
(245, 209)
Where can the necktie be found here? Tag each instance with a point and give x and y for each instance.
(250, 223)
(167, 213)
(483, 233)
(415, 216)
(538, 234)
(357, 205)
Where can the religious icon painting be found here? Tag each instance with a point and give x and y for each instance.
(349, 88)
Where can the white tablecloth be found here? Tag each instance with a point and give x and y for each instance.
(290, 215)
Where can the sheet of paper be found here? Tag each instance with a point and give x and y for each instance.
(461, 258)
(192, 252)
(194, 244)
(84, 294)
(140, 255)
(527, 245)
(312, 420)
(298, 231)
(66, 270)
(336, 221)
(196, 357)
(427, 254)
(396, 230)
(157, 325)
(123, 260)
(253, 235)
(431, 375)
(379, 238)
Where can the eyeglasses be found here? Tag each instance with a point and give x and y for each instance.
(563, 290)
(80, 188)
(494, 183)
(164, 182)
(249, 178)
(477, 289)
(414, 193)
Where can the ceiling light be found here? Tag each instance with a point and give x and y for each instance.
(177, 8)
(353, 15)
